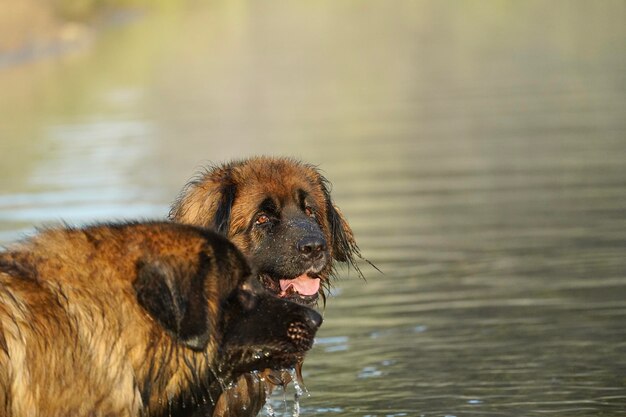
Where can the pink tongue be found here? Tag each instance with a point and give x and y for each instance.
(303, 284)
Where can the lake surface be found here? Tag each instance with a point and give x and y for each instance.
(478, 150)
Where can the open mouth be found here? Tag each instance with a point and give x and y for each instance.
(303, 289)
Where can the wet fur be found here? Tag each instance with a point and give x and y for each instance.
(134, 319)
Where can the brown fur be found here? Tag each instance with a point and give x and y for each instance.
(227, 198)
(85, 330)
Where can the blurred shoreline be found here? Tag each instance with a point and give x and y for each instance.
(32, 30)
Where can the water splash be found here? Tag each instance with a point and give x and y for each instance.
(298, 394)
(296, 406)
(297, 383)
(268, 407)
(222, 384)
(284, 389)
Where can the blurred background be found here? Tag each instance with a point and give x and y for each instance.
(477, 148)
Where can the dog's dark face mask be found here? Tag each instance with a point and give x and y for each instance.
(262, 331)
(290, 251)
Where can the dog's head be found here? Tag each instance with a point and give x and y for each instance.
(279, 212)
(252, 319)
(200, 290)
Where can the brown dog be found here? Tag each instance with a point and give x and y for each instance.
(135, 319)
(279, 212)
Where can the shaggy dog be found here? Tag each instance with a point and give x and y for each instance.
(135, 319)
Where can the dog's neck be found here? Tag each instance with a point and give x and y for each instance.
(177, 378)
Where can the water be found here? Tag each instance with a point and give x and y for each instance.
(477, 148)
(299, 392)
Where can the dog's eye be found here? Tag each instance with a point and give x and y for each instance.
(309, 211)
(262, 219)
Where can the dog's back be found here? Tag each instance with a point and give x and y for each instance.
(57, 350)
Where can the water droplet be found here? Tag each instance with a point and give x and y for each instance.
(298, 394)
(269, 410)
(296, 383)
(296, 406)
(222, 384)
(268, 406)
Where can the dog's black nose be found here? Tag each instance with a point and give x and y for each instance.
(312, 247)
(313, 318)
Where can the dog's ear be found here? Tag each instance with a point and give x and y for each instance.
(343, 243)
(207, 200)
(221, 220)
(176, 298)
